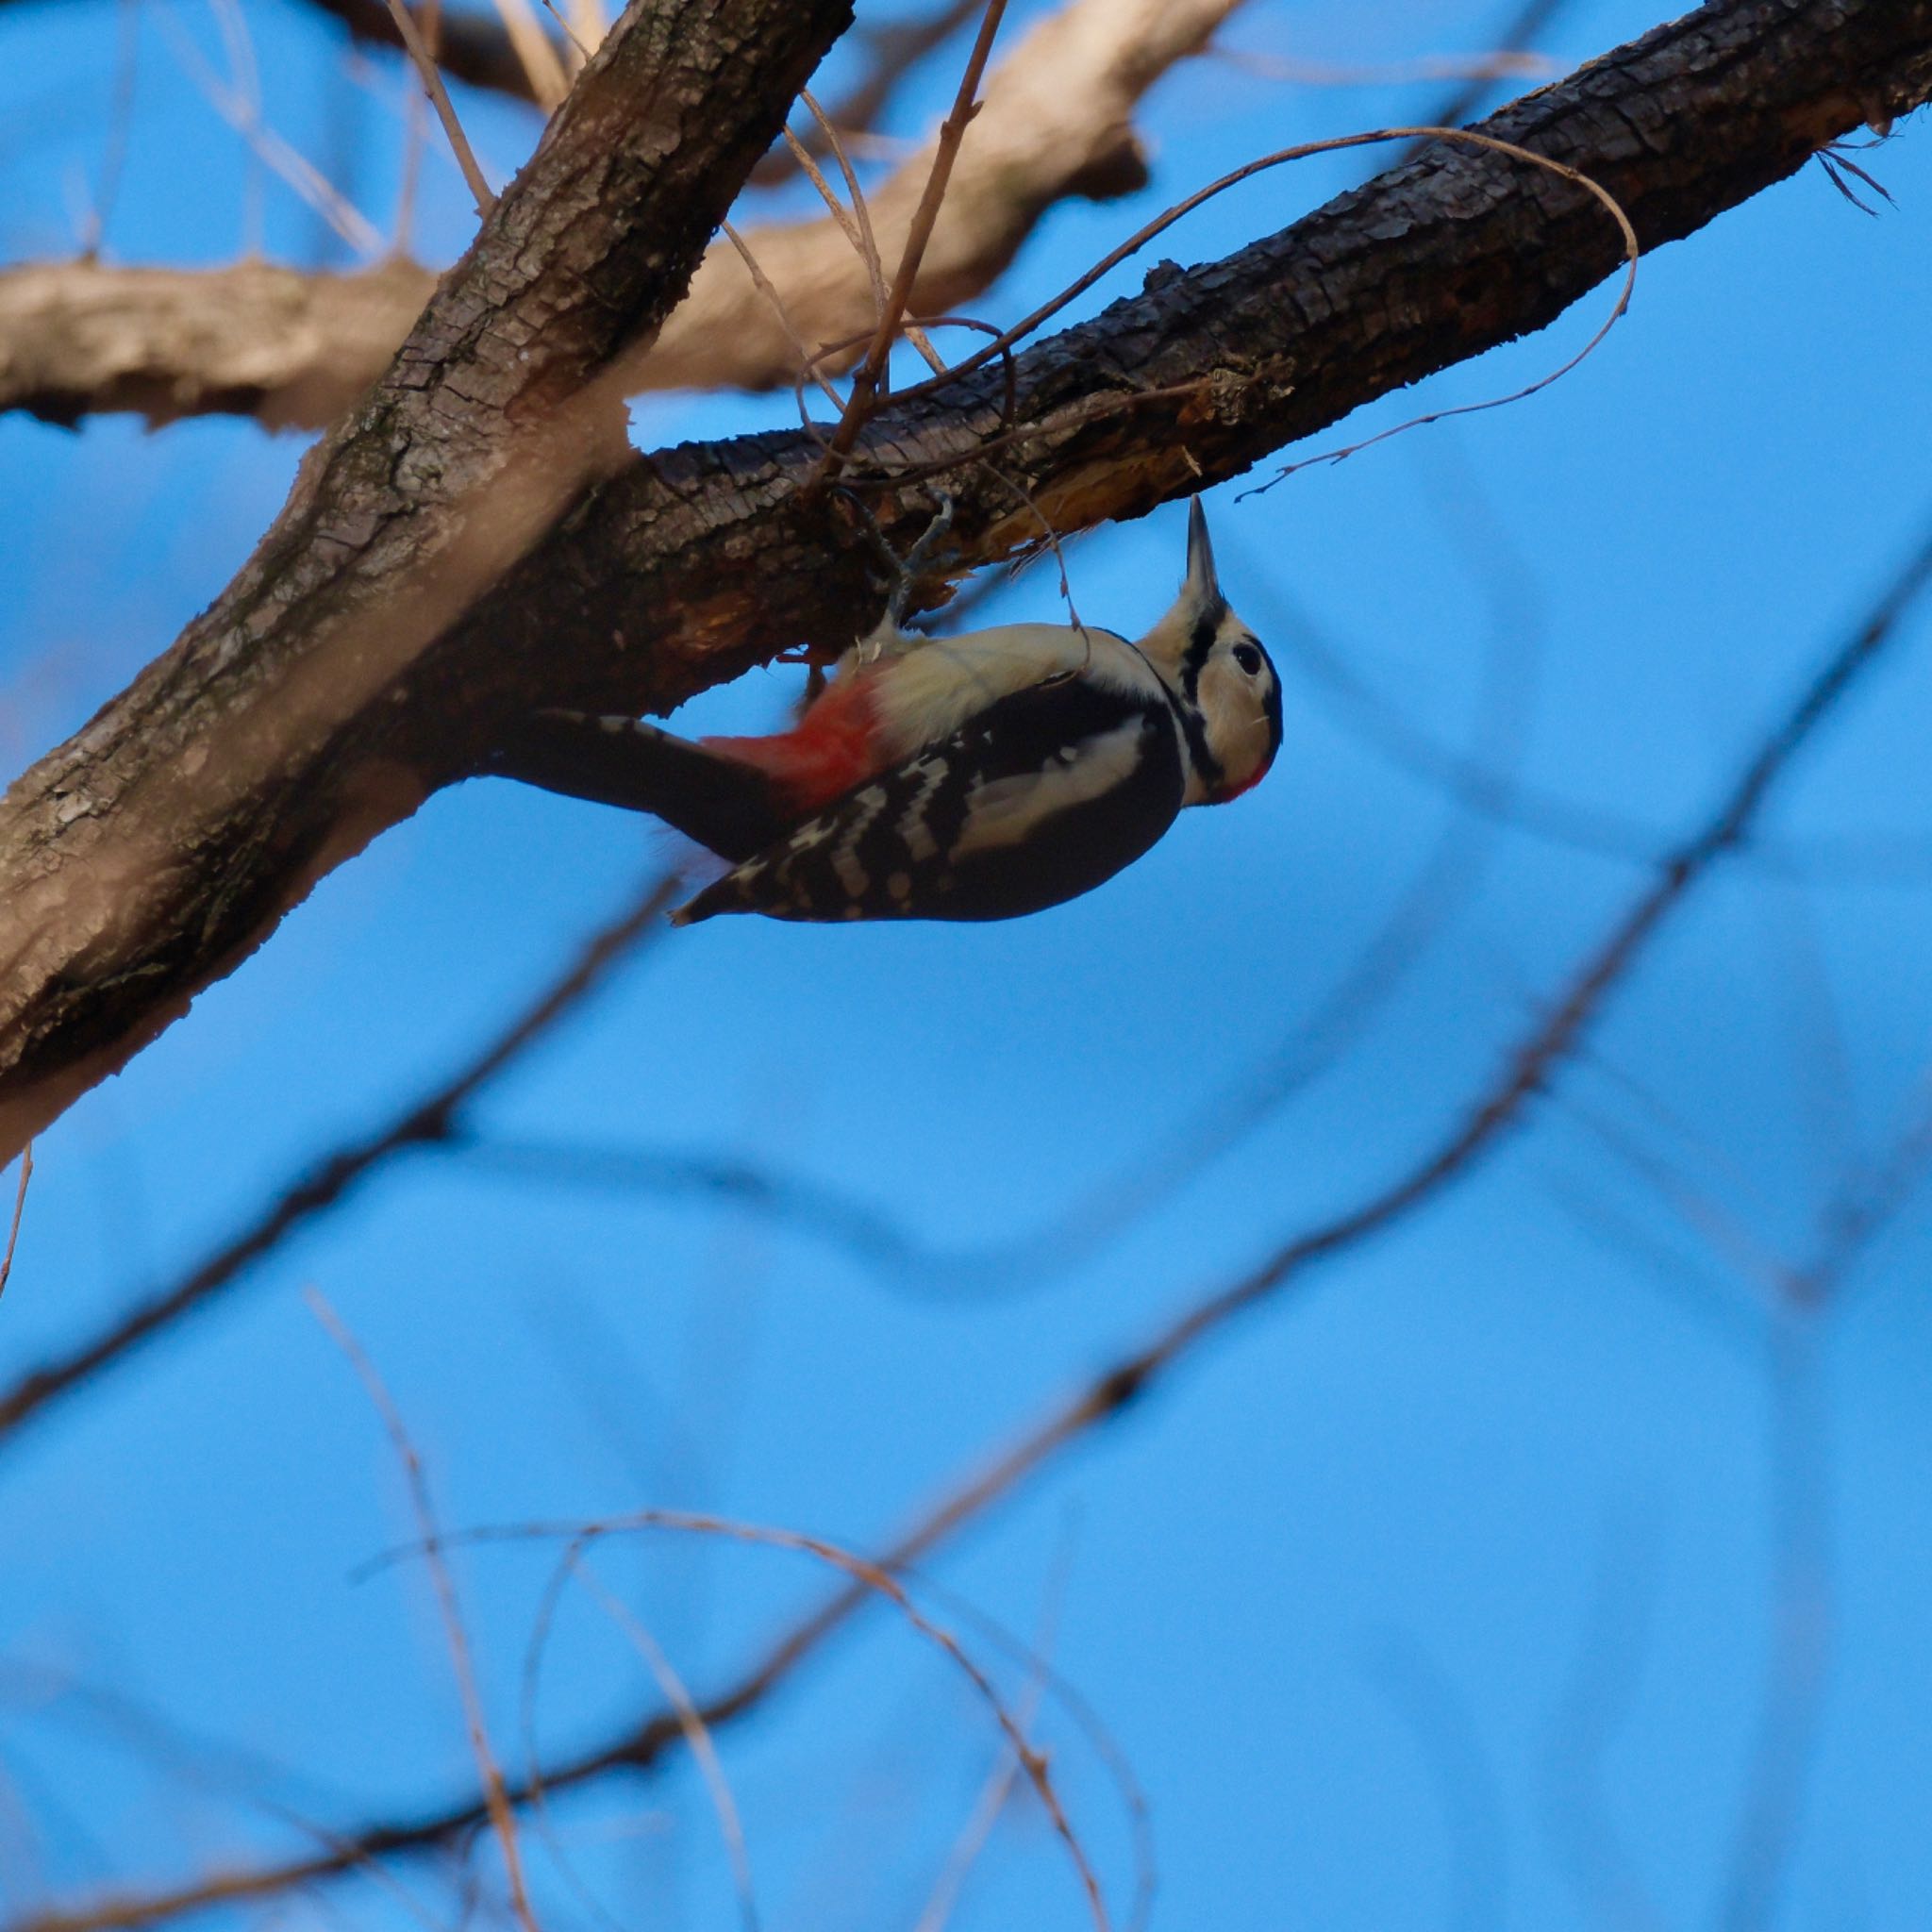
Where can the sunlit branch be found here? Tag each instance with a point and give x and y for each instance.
(295, 348)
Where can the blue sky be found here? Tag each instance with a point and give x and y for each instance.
(1442, 1591)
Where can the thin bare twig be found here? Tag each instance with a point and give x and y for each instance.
(805, 360)
(207, 1763)
(1421, 137)
(548, 82)
(1377, 723)
(119, 125)
(1002, 342)
(868, 1577)
(245, 69)
(584, 28)
(1499, 65)
(244, 114)
(1802, 1610)
(431, 77)
(1124, 251)
(897, 47)
(473, 48)
(427, 1122)
(697, 1735)
(502, 1817)
(205, 340)
(842, 1219)
(414, 101)
(1791, 1714)
(1026, 1656)
(864, 400)
(27, 1174)
(978, 1831)
(1865, 1204)
(868, 379)
(858, 227)
(862, 244)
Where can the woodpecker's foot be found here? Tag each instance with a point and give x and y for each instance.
(919, 556)
(902, 574)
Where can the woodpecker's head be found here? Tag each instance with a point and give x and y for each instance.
(1222, 680)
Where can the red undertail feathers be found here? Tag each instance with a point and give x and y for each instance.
(832, 749)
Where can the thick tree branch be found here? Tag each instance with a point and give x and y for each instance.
(162, 828)
(687, 566)
(297, 349)
(292, 347)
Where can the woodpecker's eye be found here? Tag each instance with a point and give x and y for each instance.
(1249, 657)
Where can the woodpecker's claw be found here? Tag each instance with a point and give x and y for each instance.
(916, 557)
(904, 573)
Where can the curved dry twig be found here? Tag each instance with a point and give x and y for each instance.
(866, 1575)
(671, 1687)
(502, 1815)
(1031, 322)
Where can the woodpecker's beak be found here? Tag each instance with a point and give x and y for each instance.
(1202, 585)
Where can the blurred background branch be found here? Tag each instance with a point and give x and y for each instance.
(294, 348)
(1530, 1068)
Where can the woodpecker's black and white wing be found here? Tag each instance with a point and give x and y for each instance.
(728, 805)
(1036, 799)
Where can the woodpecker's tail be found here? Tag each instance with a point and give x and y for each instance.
(731, 807)
(721, 895)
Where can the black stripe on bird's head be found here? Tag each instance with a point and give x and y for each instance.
(1179, 644)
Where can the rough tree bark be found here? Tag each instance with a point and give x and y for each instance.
(139, 864)
(160, 830)
(295, 349)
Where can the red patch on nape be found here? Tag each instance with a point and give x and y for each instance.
(831, 749)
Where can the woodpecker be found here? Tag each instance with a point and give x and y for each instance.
(979, 776)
